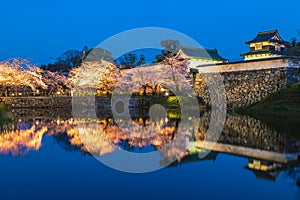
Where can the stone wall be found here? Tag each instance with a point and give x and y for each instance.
(243, 87)
(37, 102)
(246, 82)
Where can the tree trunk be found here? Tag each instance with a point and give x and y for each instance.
(16, 90)
(6, 92)
(144, 90)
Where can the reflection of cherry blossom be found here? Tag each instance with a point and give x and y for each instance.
(19, 142)
(91, 138)
(98, 137)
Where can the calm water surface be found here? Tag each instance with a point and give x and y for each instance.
(42, 158)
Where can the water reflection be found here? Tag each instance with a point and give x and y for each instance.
(94, 136)
(19, 142)
(269, 152)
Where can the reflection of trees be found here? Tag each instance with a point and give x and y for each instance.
(19, 142)
(101, 137)
(20, 137)
(91, 138)
(97, 137)
(179, 147)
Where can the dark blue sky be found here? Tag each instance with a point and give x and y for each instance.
(43, 29)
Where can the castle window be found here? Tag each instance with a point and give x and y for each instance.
(258, 47)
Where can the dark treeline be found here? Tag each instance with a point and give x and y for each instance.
(73, 58)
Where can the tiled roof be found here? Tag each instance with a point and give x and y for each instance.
(272, 36)
(202, 53)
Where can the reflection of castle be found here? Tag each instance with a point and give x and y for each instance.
(267, 150)
(265, 169)
(196, 157)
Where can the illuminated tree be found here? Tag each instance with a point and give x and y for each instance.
(176, 72)
(169, 74)
(92, 76)
(55, 82)
(19, 73)
(181, 66)
(141, 79)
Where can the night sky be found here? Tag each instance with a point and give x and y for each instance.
(42, 30)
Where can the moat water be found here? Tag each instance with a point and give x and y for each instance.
(48, 154)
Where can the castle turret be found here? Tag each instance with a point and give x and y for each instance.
(266, 45)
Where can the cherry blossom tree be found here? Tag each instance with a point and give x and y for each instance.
(181, 66)
(141, 79)
(176, 69)
(56, 82)
(92, 76)
(19, 73)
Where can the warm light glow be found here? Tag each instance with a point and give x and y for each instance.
(19, 142)
(98, 137)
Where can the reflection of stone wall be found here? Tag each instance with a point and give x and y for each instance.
(248, 132)
(37, 102)
(40, 113)
(66, 102)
